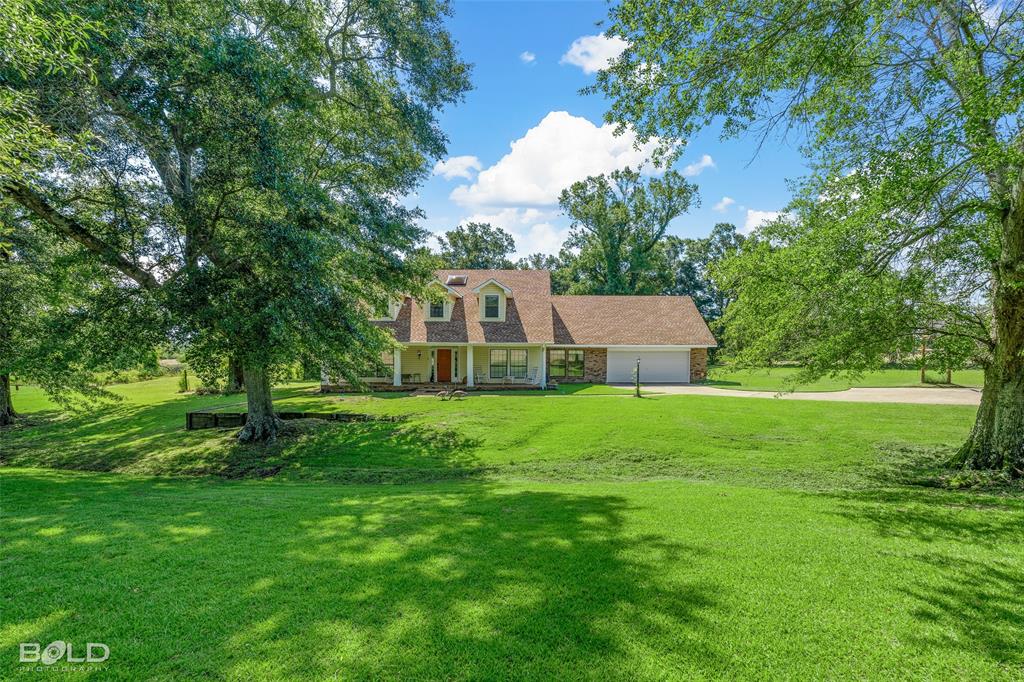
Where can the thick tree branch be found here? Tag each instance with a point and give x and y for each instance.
(74, 230)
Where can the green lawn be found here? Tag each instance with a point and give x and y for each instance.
(524, 536)
(779, 379)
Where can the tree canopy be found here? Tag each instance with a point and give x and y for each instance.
(479, 246)
(618, 224)
(913, 216)
(243, 165)
(693, 262)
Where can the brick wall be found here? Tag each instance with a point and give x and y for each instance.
(595, 365)
(698, 364)
(595, 368)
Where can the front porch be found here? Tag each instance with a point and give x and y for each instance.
(430, 389)
(469, 366)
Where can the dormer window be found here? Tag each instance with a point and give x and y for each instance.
(438, 305)
(492, 307)
(493, 298)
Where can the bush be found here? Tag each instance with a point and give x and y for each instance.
(151, 368)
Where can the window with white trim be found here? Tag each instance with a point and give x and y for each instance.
(492, 310)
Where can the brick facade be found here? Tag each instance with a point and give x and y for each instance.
(595, 368)
(698, 364)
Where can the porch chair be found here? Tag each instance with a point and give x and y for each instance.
(531, 376)
(478, 378)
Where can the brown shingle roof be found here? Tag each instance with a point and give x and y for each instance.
(527, 312)
(629, 320)
(533, 315)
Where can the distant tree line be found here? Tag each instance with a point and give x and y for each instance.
(618, 243)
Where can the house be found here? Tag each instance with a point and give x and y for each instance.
(505, 327)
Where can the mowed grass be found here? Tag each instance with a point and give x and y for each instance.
(534, 435)
(539, 537)
(781, 378)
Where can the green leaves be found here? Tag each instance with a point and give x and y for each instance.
(243, 164)
(911, 116)
(479, 246)
(618, 224)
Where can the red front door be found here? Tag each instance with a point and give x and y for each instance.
(444, 364)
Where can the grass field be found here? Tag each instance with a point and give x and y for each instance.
(526, 536)
(780, 379)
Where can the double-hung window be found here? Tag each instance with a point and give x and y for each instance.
(556, 362)
(508, 362)
(436, 310)
(491, 310)
(564, 362)
(498, 363)
(517, 363)
(574, 363)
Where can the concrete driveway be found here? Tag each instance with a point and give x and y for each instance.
(923, 396)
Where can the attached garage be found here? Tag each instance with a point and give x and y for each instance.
(656, 366)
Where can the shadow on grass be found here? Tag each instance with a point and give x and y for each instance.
(151, 439)
(282, 581)
(385, 452)
(964, 604)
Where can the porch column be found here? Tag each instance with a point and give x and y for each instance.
(469, 365)
(543, 366)
(397, 379)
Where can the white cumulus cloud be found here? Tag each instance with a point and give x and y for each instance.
(552, 155)
(756, 219)
(533, 230)
(724, 204)
(592, 53)
(527, 57)
(457, 167)
(699, 167)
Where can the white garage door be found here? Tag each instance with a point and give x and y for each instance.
(656, 366)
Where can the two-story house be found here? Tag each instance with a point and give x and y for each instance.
(505, 327)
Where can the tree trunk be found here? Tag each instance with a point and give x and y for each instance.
(261, 423)
(236, 377)
(7, 413)
(924, 352)
(997, 439)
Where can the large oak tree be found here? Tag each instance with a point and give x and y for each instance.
(911, 113)
(242, 164)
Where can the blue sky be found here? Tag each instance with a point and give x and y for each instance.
(524, 132)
